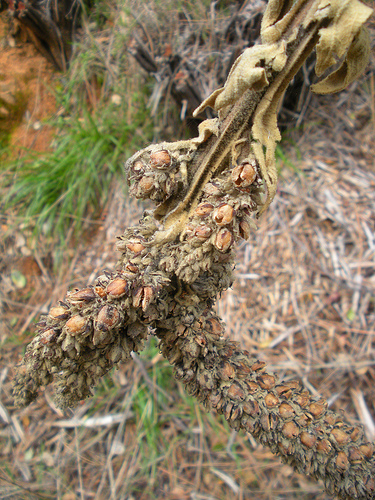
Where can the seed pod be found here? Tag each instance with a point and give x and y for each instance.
(75, 325)
(340, 436)
(271, 400)
(283, 391)
(266, 381)
(355, 455)
(290, 430)
(108, 318)
(117, 288)
(132, 268)
(342, 461)
(58, 312)
(308, 440)
(227, 372)
(224, 240)
(258, 366)
(148, 295)
(367, 450)
(138, 167)
(324, 446)
(286, 411)
(244, 175)
(245, 229)
(236, 392)
(223, 215)
(317, 409)
(160, 159)
(213, 327)
(135, 246)
(252, 387)
(143, 187)
(211, 189)
(251, 408)
(204, 209)
(81, 296)
(48, 336)
(202, 232)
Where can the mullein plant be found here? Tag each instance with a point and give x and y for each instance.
(179, 258)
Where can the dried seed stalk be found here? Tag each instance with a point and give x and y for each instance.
(177, 261)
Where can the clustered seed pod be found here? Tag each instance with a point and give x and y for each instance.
(154, 174)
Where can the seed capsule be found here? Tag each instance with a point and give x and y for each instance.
(340, 436)
(213, 327)
(290, 430)
(204, 209)
(160, 159)
(135, 246)
(75, 325)
(342, 461)
(138, 167)
(236, 392)
(271, 400)
(317, 409)
(286, 411)
(47, 337)
(223, 215)
(81, 296)
(99, 290)
(307, 439)
(227, 372)
(58, 312)
(108, 318)
(251, 408)
(324, 446)
(244, 175)
(117, 288)
(245, 230)
(224, 240)
(266, 381)
(202, 232)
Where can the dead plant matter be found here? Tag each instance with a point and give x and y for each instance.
(179, 258)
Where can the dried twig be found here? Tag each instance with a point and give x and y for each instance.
(179, 258)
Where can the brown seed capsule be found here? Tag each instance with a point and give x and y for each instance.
(340, 436)
(271, 400)
(252, 387)
(251, 408)
(317, 409)
(227, 372)
(135, 246)
(48, 336)
(132, 268)
(356, 434)
(81, 296)
(342, 461)
(258, 365)
(138, 167)
(290, 430)
(108, 318)
(303, 399)
(211, 189)
(160, 159)
(245, 230)
(75, 325)
(215, 398)
(148, 295)
(266, 381)
(58, 312)
(244, 175)
(367, 450)
(204, 209)
(213, 327)
(355, 455)
(236, 392)
(307, 439)
(286, 411)
(202, 232)
(283, 391)
(223, 215)
(117, 288)
(324, 446)
(145, 185)
(227, 410)
(243, 370)
(224, 240)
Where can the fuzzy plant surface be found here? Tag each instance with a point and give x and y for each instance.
(179, 258)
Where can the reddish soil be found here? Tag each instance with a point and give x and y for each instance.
(27, 82)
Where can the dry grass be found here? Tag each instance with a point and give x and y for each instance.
(303, 301)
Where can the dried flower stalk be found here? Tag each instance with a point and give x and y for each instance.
(179, 258)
